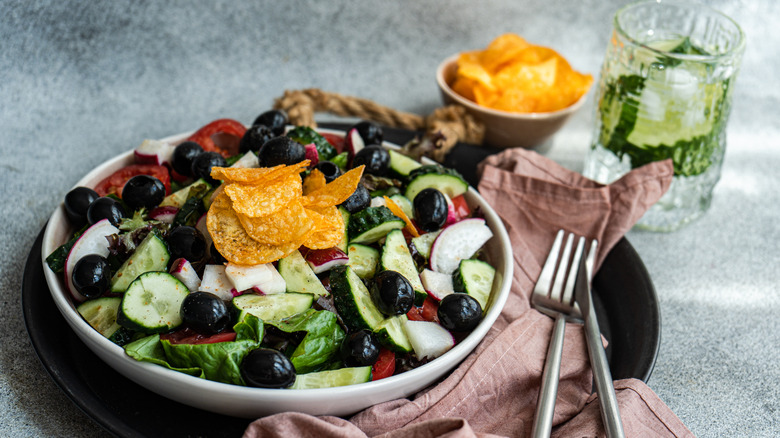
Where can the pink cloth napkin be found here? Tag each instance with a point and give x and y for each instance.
(494, 391)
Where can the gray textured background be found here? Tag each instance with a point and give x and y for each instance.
(81, 82)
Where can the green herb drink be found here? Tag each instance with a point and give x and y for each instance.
(665, 93)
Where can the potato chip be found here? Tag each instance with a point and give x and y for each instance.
(513, 75)
(398, 211)
(314, 181)
(232, 241)
(328, 228)
(257, 175)
(289, 224)
(257, 200)
(336, 191)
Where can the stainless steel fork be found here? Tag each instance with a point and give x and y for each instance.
(555, 300)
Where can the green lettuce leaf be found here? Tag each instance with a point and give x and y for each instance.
(320, 344)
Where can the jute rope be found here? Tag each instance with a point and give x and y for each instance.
(448, 124)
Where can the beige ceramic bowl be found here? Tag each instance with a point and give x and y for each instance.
(504, 129)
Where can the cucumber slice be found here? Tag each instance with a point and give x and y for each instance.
(299, 276)
(332, 378)
(424, 242)
(344, 237)
(151, 255)
(353, 300)
(445, 180)
(179, 197)
(475, 278)
(363, 259)
(401, 164)
(396, 257)
(101, 313)
(392, 335)
(373, 223)
(405, 204)
(152, 303)
(273, 307)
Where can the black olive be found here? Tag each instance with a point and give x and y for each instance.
(459, 312)
(358, 200)
(216, 257)
(202, 164)
(105, 208)
(329, 169)
(254, 138)
(186, 242)
(76, 204)
(371, 133)
(430, 209)
(376, 159)
(91, 275)
(392, 293)
(205, 313)
(183, 156)
(267, 368)
(275, 119)
(281, 150)
(143, 191)
(360, 349)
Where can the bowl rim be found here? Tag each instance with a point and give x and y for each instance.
(444, 86)
(171, 380)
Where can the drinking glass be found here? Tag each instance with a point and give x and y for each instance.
(665, 92)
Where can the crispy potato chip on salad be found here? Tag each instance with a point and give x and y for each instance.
(516, 76)
(335, 192)
(315, 181)
(233, 242)
(260, 175)
(328, 228)
(257, 200)
(289, 224)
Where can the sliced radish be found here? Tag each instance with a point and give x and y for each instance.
(312, 154)
(243, 277)
(457, 242)
(452, 215)
(164, 214)
(437, 285)
(183, 270)
(93, 241)
(216, 281)
(428, 339)
(248, 161)
(275, 285)
(154, 152)
(378, 201)
(353, 143)
(322, 260)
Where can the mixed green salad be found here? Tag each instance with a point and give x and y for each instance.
(404, 283)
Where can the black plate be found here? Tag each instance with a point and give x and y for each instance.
(624, 297)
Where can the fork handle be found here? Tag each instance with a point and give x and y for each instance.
(610, 414)
(545, 406)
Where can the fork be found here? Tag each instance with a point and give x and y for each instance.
(554, 298)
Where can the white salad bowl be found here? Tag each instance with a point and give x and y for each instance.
(249, 402)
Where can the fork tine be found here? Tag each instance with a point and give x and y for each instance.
(571, 279)
(555, 293)
(542, 286)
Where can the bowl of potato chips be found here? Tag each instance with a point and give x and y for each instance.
(523, 93)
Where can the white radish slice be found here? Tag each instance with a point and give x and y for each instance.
(322, 260)
(248, 161)
(154, 152)
(216, 282)
(353, 143)
(164, 214)
(275, 285)
(428, 339)
(182, 269)
(244, 277)
(93, 241)
(457, 242)
(437, 285)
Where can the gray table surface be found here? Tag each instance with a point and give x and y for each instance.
(81, 82)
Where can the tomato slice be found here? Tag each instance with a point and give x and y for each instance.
(221, 135)
(384, 366)
(427, 312)
(462, 209)
(189, 336)
(114, 183)
(336, 141)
